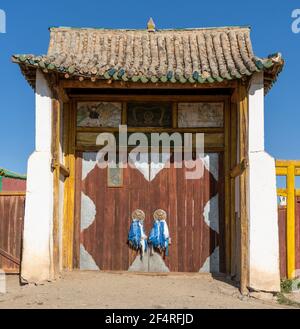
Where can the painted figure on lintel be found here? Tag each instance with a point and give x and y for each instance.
(159, 238)
(137, 238)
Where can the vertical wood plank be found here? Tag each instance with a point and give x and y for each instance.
(233, 163)
(69, 196)
(197, 227)
(173, 218)
(243, 151)
(99, 190)
(227, 160)
(124, 205)
(66, 128)
(282, 241)
(189, 225)
(108, 224)
(77, 212)
(56, 179)
(181, 219)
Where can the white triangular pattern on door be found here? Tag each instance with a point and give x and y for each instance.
(157, 166)
(150, 171)
(141, 165)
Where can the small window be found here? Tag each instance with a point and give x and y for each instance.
(200, 115)
(99, 114)
(149, 115)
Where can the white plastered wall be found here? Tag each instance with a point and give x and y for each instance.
(38, 221)
(263, 222)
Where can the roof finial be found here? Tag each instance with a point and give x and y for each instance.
(151, 25)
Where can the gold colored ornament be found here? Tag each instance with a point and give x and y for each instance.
(138, 214)
(160, 214)
(151, 25)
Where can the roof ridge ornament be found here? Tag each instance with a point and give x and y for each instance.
(151, 25)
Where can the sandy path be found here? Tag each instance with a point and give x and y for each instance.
(111, 290)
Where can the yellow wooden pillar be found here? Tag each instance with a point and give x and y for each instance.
(291, 221)
(69, 194)
(56, 182)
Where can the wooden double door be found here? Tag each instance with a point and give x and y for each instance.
(195, 209)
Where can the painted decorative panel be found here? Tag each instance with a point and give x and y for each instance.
(149, 114)
(115, 177)
(192, 115)
(99, 114)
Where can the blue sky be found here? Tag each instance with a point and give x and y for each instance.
(27, 32)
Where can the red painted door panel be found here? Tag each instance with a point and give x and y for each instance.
(194, 208)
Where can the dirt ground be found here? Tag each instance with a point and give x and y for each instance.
(129, 291)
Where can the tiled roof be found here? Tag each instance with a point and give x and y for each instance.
(11, 174)
(179, 56)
